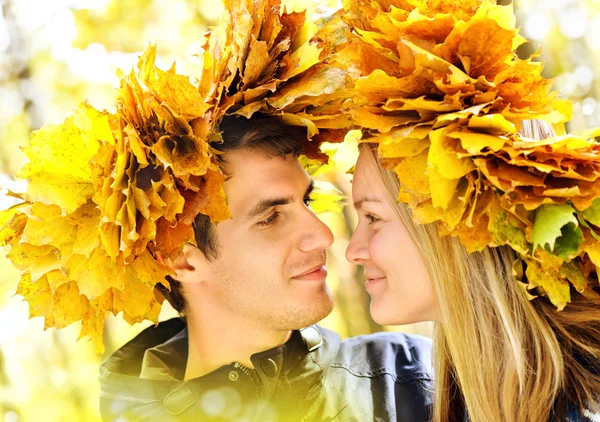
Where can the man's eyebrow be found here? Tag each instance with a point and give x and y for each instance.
(265, 204)
(358, 204)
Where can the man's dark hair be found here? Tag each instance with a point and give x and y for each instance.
(267, 135)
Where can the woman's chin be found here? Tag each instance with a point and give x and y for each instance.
(390, 315)
(383, 316)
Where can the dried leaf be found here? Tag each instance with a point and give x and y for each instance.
(58, 171)
(217, 209)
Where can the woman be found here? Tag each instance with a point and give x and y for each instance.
(498, 355)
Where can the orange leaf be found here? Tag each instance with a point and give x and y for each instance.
(171, 239)
(217, 209)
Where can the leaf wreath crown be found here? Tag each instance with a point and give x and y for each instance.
(111, 196)
(439, 87)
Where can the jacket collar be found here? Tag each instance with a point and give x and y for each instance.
(167, 361)
(159, 354)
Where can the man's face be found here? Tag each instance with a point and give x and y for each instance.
(272, 252)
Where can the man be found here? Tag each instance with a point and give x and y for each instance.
(246, 349)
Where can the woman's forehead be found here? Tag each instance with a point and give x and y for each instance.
(367, 180)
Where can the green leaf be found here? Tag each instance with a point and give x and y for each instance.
(556, 229)
(586, 225)
(568, 243)
(311, 166)
(592, 213)
(326, 198)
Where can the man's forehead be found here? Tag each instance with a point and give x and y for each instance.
(252, 174)
(245, 159)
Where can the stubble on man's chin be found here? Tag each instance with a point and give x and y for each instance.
(296, 316)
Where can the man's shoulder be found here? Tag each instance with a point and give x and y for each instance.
(127, 360)
(404, 357)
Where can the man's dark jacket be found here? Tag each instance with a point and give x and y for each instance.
(314, 376)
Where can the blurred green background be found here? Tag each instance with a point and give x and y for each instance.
(56, 53)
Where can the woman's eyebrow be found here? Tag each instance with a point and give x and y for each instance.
(358, 204)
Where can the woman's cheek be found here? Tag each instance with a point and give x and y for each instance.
(384, 252)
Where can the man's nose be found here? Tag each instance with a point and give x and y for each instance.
(316, 235)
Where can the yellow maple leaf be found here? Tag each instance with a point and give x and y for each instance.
(46, 226)
(37, 260)
(93, 319)
(474, 142)
(12, 223)
(459, 202)
(96, 274)
(38, 295)
(571, 271)
(555, 287)
(58, 171)
(69, 305)
(442, 189)
(444, 160)
(87, 237)
(426, 213)
(171, 88)
(484, 47)
(256, 62)
(474, 238)
(407, 147)
(382, 123)
(319, 80)
(496, 123)
(412, 173)
(185, 154)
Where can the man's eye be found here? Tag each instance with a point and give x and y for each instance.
(307, 201)
(270, 220)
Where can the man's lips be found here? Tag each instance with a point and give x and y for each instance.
(315, 272)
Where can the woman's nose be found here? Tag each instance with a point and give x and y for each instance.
(357, 251)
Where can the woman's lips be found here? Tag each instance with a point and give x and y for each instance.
(371, 282)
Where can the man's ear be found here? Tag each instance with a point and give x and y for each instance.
(191, 265)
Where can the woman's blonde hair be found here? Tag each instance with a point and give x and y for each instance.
(497, 355)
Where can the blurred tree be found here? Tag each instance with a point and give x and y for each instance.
(18, 110)
(569, 32)
(176, 25)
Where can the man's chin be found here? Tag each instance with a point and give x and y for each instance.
(325, 311)
(311, 311)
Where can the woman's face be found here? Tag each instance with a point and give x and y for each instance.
(396, 276)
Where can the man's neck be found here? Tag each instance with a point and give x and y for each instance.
(217, 340)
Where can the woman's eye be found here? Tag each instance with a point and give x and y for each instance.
(371, 218)
(307, 201)
(270, 220)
